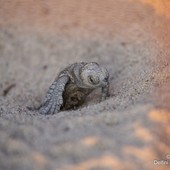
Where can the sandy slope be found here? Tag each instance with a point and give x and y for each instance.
(127, 131)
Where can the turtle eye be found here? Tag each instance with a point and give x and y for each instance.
(93, 80)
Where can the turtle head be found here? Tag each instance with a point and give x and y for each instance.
(93, 76)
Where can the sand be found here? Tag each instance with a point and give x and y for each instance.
(129, 130)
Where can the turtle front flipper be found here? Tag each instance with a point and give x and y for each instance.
(54, 97)
(105, 92)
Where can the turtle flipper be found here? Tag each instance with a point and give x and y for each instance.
(54, 97)
(105, 92)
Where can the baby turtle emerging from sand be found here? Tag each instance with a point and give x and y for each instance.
(72, 85)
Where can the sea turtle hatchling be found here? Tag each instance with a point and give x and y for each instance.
(72, 85)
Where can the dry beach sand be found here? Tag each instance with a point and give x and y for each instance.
(128, 131)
